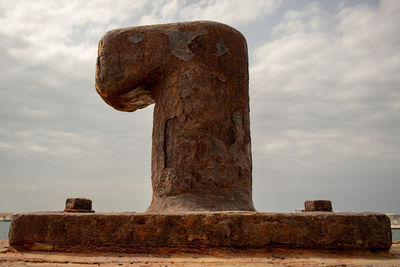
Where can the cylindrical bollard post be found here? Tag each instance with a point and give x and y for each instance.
(196, 73)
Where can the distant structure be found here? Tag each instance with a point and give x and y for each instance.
(5, 217)
(394, 220)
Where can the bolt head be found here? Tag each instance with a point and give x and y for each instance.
(78, 205)
(318, 205)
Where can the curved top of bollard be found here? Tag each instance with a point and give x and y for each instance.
(133, 61)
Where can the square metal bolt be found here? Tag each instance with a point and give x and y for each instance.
(318, 205)
(78, 205)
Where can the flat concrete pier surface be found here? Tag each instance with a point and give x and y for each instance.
(215, 257)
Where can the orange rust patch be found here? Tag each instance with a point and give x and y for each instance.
(188, 221)
(173, 91)
(197, 237)
(99, 48)
(73, 229)
(142, 234)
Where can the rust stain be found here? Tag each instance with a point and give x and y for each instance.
(220, 76)
(142, 234)
(188, 221)
(73, 229)
(100, 46)
(197, 237)
(41, 247)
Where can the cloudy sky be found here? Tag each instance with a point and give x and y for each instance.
(324, 96)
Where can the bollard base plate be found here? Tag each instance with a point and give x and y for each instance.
(155, 232)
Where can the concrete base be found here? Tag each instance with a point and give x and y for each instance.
(155, 233)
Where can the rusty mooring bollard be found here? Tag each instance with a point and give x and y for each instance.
(78, 205)
(196, 73)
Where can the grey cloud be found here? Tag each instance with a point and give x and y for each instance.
(57, 137)
(328, 109)
(240, 12)
(324, 106)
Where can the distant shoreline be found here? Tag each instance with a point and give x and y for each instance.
(6, 217)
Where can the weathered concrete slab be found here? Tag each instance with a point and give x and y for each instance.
(148, 233)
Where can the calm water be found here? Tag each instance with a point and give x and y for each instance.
(395, 234)
(4, 226)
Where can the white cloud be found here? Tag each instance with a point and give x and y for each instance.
(325, 93)
(66, 30)
(311, 18)
(233, 12)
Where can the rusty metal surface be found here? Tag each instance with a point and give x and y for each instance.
(196, 73)
(151, 232)
(214, 257)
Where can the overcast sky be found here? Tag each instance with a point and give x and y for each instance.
(324, 96)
